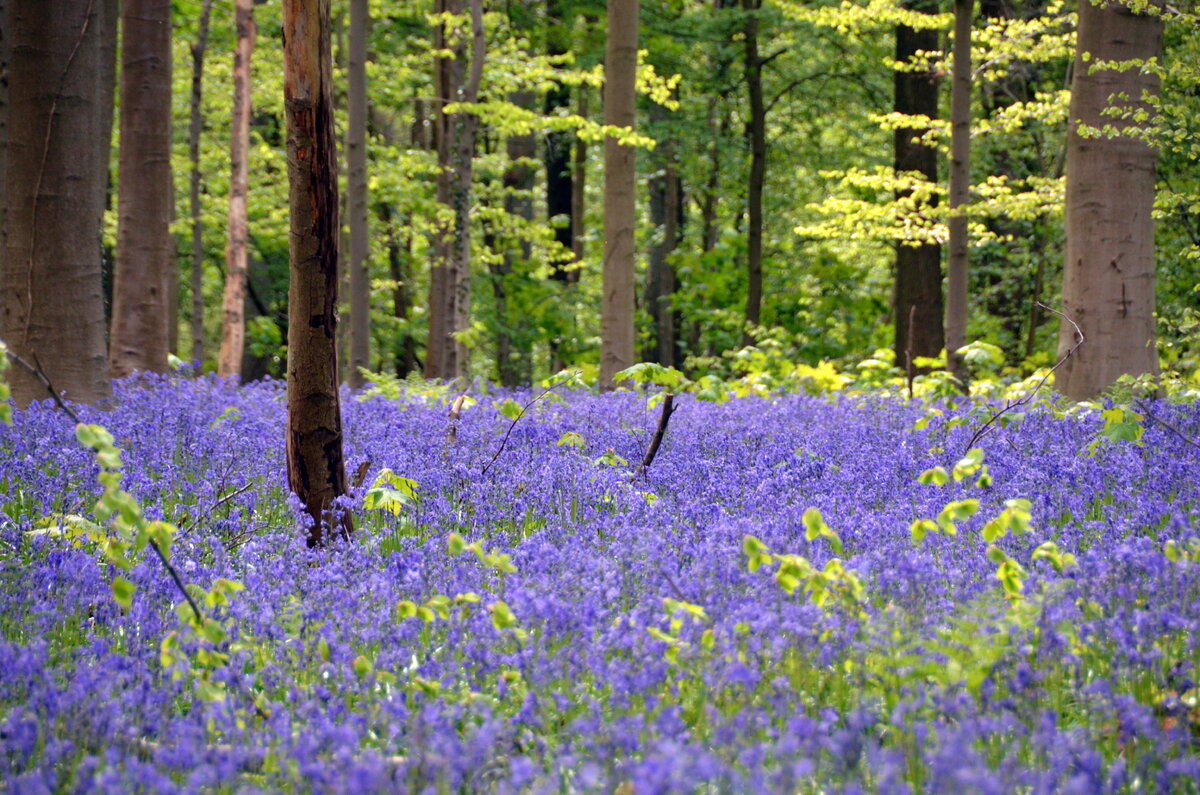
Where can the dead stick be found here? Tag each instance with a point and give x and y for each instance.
(992, 420)
(508, 433)
(455, 414)
(37, 372)
(668, 409)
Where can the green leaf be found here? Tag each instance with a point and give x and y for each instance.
(122, 591)
(502, 616)
(814, 524)
(936, 476)
(921, 528)
(571, 439)
(510, 408)
(455, 544)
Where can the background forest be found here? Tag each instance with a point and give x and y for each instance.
(793, 161)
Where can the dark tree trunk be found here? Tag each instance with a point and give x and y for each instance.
(145, 250)
(60, 101)
(233, 303)
(918, 297)
(578, 188)
(513, 364)
(1108, 275)
(357, 196)
(660, 275)
(620, 192)
(756, 132)
(199, 48)
(315, 464)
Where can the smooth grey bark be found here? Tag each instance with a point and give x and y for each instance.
(237, 244)
(957, 261)
(61, 83)
(195, 126)
(620, 192)
(145, 249)
(357, 194)
(1108, 273)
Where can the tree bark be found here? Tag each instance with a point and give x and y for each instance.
(59, 130)
(620, 192)
(918, 296)
(315, 463)
(756, 131)
(957, 262)
(1108, 273)
(145, 250)
(513, 360)
(195, 126)
(578, 188)
(660, 274)
(357, 198)
(450, 281)
(233, 303)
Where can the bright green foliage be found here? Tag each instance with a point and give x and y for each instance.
(1015, 519)
(572, 439)
(391, 492)
(829, 588)
(5, 393)
(815, 527)
(499, 562)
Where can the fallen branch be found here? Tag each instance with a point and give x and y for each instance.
(979, 434)
(1145, 409)
(455, 414)
(668, 408)
(517, 419)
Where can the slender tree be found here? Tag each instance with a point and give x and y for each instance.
(960, 185)
(513, 361)
(756, 132)
(61, 80)
(620, 192)
(195, 126)
(1108, 273)
(450, 276)
(233, 302)
(315, 463)
(145, 249)
(918, 291)
(357, 196)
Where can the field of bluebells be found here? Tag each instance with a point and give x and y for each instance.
(556, 624)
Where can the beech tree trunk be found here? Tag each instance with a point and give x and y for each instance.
(756, 131)
(1108, 273)
(196, 125)
(660, 274)
(620, 192)
(578, 188)
(960, 185)
(918, 296)
(145, 250)
(450, 279)
(513, 359)
(315, 463)
(233, 303)
(60, 101)
(357, 197)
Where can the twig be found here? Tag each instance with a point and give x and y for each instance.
(504, 441)
(979, 434)
(361, 475)
(37, 372)
(668, 409)
(455, 414)
(1146, 410)
(178, 581)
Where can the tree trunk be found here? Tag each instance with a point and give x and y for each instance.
(513, 361)
(59, 130)
(918, 297)
(356, 200)
(315, 464)
(560, 191)
(233, 325)
(756, 131)
(578, 188)
(960, 186)
(450, 282)
(1108, 273)
(620, 192)
(144, 247)
(196, 125)
(660, 275)
(4, 36)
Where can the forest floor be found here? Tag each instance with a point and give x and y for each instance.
(762, 609)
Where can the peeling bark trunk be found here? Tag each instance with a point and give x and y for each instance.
(620, 192)
(233, 325)
(957, 262)
(357, 197)
(145, 249)
(199, 48)
(59, 129)
(1108, 273)
(918, 295)
(315, 463)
